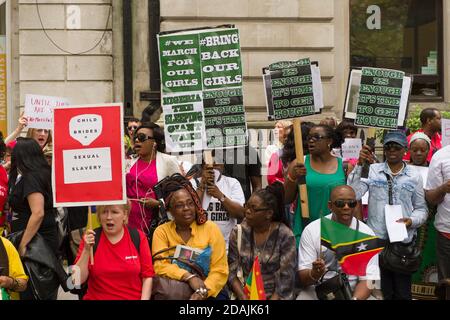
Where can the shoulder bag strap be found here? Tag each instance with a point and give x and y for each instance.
(240, 272)
(162, 251)
(389, 181)
(135, 238)
(98, 233)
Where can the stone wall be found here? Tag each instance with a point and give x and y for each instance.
(45, 69)
(274, 30)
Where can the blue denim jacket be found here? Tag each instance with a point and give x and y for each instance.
(407, 192)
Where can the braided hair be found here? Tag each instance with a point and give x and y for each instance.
(273, 197)
(177, 182)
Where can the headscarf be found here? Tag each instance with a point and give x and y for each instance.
(177, 182)
(420, 135)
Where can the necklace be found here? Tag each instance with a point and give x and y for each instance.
(398, 171)
(260, 252)
(142, 211)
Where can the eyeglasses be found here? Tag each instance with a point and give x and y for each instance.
(142, 137)
(315, 137)
(180, 206)
(342, 203)
(132, 128)
(391, 146)
(246, 207)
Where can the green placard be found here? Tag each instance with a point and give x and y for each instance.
(379, 98)
(201, 77)
(291, 89)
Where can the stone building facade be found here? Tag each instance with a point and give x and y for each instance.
(270, 30)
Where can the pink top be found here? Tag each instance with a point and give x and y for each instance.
(140, 181)
(275, 169)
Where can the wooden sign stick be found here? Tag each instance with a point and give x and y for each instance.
(90, 228)
(300, 159)
(207, 154)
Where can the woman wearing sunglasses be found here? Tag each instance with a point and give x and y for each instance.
(151, 166)
(323, 173)
(407, 191)
(314, 260)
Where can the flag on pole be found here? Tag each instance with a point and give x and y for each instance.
(254, 286)
(353, 248)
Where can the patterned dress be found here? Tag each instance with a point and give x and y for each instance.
(277, 256)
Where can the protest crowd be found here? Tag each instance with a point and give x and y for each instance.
(315, 213)
(165, 218)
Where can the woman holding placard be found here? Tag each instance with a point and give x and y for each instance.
(396, 196)
(123, 268)
(151, 166)
(323, 172)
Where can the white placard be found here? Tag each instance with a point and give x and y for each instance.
(86, 128)
(396, 230)
(423, 171)
(39, 110)
(445, 125)
(317, 88)
(351, 148)
(87, 165)
(184, 128)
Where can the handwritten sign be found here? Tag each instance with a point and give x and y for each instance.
(445, 127)
(39, 110)
(351, 148)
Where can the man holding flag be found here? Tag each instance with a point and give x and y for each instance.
(339, 242)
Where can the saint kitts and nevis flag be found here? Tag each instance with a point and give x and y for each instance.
(254, 286)
(353, 248)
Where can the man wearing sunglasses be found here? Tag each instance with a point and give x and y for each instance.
(407, 191)
(132, 125)
(315, 259)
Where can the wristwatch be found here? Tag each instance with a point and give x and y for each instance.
(223, 198)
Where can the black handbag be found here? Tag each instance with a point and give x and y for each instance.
(335, 288)
(400, 257)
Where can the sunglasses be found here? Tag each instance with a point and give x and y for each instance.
(316, 137)
(132, 128)
(342, 203)
(393, 146)
(255, 209)
(142, 137)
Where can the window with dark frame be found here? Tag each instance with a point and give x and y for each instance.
(403, 35)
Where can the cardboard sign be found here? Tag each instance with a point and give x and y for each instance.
(293, 89)
(201, 77)
(350, 148)
(379, 114)
(39, 110)
(88, 155)
(445, 129)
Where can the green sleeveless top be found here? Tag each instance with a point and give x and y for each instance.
(319, 187)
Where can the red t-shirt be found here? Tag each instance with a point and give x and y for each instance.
(436, 144)
(118, 269)
(3, 193)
